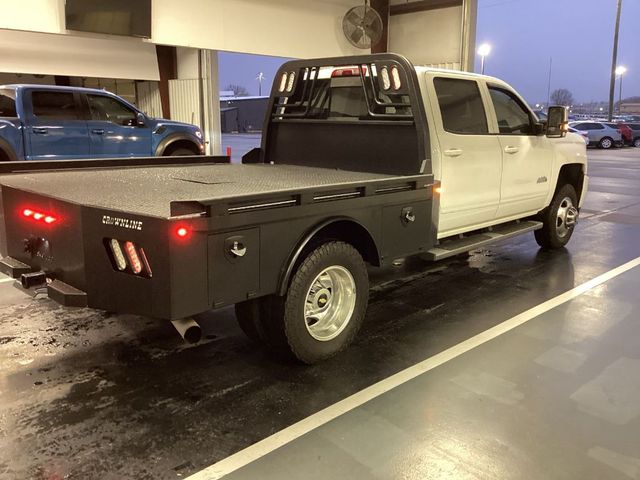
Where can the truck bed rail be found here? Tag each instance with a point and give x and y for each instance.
(28, 166)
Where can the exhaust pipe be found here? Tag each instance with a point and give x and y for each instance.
(188, 329)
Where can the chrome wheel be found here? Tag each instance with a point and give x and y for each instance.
(566, 218)
(606, 143)
(330, 303)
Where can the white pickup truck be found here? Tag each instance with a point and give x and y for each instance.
(494, 161)
(363, 160)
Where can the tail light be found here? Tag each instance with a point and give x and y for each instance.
(128, 257)
(134, 259)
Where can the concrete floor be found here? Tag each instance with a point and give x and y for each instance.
(86, 395)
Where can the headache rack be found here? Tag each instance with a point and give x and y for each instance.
(383, 84)
(360, 113)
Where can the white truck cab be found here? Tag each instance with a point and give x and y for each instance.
(490, 153)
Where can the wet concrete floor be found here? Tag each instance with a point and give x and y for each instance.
(87, 395)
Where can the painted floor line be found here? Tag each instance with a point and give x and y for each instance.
(304, 426)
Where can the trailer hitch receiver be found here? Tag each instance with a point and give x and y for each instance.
(33, 279)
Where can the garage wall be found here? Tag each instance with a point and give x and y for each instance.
(312, 28)
(431, 37)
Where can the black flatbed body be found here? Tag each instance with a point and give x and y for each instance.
(149, 191)
(173, 237)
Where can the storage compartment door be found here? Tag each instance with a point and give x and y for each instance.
(234, 266)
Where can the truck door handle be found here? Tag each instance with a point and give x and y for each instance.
(510, 149)
(40, 131)
(453, 152)
(98, 131)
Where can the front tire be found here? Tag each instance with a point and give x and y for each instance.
(605, 143)
(181, 152)
(559, 219)
(636, 142)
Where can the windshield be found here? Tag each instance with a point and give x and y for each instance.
(7, 103)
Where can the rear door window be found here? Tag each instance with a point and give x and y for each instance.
(461, 106)
(54, 105)
(7, 103)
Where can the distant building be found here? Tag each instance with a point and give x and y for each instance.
(632, 107)
(242, 114)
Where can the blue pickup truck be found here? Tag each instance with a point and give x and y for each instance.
(39, 122)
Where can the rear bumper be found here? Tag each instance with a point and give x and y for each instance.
(14, 268)
(57, 290)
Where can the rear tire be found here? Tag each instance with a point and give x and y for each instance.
(324, 307)
(558, 219)
(636, 142)
(605, 143)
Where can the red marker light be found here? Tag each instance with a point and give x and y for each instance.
(182, 232)
(39, 216)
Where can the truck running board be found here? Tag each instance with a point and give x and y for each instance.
(457, 245)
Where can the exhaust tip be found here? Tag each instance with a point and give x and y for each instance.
(193, 334)
(188, 329)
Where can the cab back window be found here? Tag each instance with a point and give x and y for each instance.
(7, 103)
(344, 98)
(54, 105)
(461, 105)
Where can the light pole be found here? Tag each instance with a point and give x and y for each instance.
(620, 71)
(260, 78)
(483, 51)
(614, 60)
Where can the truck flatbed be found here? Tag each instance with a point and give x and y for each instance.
(150, 191)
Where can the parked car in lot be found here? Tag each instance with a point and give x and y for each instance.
(635, 133)
(625, 131)
(39, 122)
(541, 115)
(583, 133)
(600, 134)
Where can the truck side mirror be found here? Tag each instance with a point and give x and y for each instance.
(140, 120)
(540, 127)
(557, 122)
